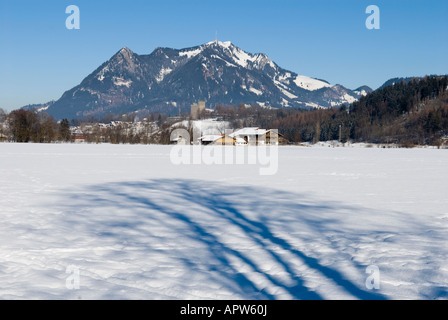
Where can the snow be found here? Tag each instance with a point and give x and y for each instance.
(210, 137)
(310, 83)
(100, 75)
(313, 105)
(251, 131)
(287, 93)
(285, 103)
(219, 58)
(205, 126)
(361, 93)
(137, 226)
(225, 44)
(92, 92)
(163, 73)
(348, 98)
(284, 77)
(283, 88)
(191, 53)
(118, 81)
(241, 57)
(256, 91)
(262, 60)
(43, 108)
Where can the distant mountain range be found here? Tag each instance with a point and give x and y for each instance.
(170, 80)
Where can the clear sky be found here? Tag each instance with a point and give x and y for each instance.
(326, 39)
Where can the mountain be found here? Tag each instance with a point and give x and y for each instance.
(170, 80)
(38, 107)
(406, 113)
(394, 81)
(363, 90)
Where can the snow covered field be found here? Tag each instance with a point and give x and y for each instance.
(136, 226)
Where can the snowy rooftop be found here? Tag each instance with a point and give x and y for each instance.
(210, 137)
(252, 131)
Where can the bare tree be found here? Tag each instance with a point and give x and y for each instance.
(3, 115)
(4, 132)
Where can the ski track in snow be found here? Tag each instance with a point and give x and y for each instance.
(139, 227)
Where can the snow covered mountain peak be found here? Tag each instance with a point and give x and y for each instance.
(225, 44)
(170, 80)
(217, 45)
(125, 52)
(237, 56)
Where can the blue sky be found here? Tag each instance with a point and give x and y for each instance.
(40, 58)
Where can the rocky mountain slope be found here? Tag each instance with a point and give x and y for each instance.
(170, 80)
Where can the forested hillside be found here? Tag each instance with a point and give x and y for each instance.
(413, 112)
(410, 112)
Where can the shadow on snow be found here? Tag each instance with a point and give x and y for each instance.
(205, 213)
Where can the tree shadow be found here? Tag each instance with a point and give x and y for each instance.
(238, 232)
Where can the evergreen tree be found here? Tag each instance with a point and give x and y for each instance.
(64, 130)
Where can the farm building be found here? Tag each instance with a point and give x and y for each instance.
(225, 140)
(257, 136)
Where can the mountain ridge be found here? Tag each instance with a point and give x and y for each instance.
(169, 80)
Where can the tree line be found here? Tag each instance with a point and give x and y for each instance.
(412, 112)
(29, 126)
(407, 113)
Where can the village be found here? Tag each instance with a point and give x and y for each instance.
(200, 126)
(242, 125)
